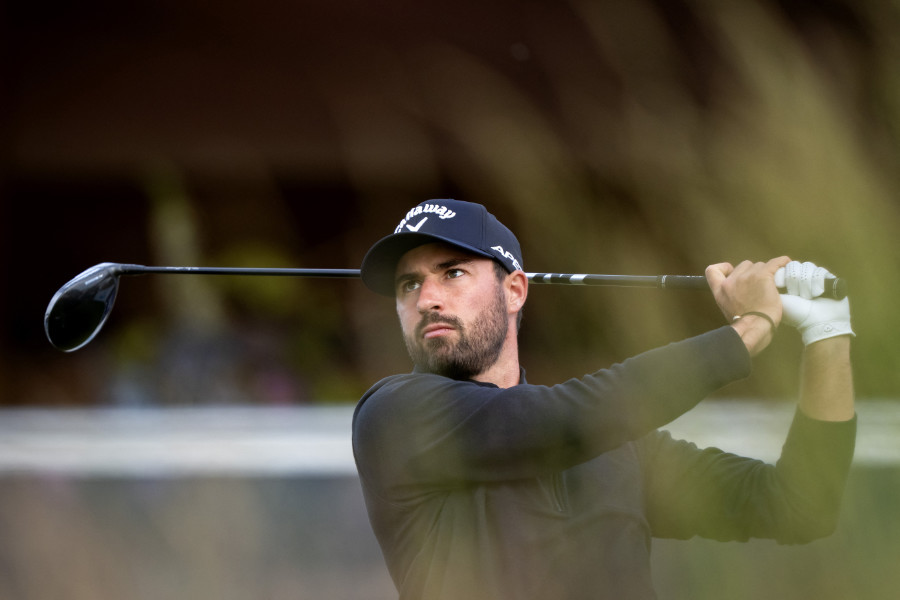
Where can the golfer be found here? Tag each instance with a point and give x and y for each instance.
(480, 485)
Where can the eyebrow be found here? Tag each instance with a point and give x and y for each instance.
(453, 262)
(443, 266)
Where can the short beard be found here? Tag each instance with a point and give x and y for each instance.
(472, 354)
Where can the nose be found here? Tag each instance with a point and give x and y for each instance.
(431, 297)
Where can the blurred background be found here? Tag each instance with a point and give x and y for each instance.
(639, 137)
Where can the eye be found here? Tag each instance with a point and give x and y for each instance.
(408, 285)
(455, 273)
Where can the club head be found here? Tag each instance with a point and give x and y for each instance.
(79, 309)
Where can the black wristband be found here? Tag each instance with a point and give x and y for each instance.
(759, 314)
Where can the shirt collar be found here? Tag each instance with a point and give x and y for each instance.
(416, 370)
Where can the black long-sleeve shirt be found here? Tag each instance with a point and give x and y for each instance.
(474, 491)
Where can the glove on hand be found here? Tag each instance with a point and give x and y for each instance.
(816, 318)
(802, 279)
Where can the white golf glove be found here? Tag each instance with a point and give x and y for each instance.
(816, 318)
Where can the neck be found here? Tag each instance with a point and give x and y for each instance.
(505, 372)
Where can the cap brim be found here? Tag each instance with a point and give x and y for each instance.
(379, 266)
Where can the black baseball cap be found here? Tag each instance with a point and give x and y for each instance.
(462, 224)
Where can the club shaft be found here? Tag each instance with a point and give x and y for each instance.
(292, 272)
(657, 281)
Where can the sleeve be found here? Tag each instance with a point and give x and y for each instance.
(717, 495)
(426, 429)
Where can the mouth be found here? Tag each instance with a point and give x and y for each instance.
(436, 330)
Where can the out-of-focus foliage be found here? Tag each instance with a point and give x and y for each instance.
(676, 138)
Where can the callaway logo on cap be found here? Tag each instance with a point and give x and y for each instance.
(465, 225)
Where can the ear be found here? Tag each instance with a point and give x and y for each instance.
(516, 285)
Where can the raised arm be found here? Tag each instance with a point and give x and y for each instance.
(727, 497)
(826, 391)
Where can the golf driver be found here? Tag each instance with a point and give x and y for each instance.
(78, 311)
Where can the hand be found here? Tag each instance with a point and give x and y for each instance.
(747, 288)
(802, 279)
(816, 318)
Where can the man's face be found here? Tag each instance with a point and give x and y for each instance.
(452, 310)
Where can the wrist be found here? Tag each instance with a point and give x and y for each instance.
(827, 380)
(756, 330)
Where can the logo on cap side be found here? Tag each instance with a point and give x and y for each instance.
(436, 209)
(508, 256)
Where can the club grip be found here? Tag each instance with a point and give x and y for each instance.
(835, 288)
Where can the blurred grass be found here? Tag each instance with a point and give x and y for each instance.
(223, 538)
